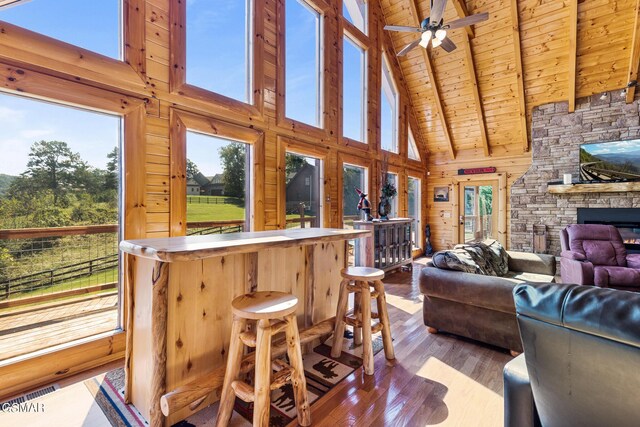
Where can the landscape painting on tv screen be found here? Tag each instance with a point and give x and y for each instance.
(610, 161)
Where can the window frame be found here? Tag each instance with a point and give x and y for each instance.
(39, 368)
(418, 231)
(290, 145)
(217, 103)
(411, 137)
(386, 76)
(181, 122)
(361, 162)
(357, 41)
(323, 9)
(365, 29)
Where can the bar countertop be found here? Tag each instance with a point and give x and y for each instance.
(189, 248)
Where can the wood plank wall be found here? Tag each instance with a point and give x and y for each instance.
(148, 89)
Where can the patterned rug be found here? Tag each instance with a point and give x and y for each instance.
(322, 372)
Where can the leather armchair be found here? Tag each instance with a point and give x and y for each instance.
(580, 361)
(594, 254)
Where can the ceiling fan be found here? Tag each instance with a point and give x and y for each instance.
(434, 30)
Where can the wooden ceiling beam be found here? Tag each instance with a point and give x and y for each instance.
(413, 6)
(461, 10)
(473, 79)
(634, 61)
(522, 109)
(573, 53)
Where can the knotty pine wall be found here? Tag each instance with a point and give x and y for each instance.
(153, 76)
(147, 89)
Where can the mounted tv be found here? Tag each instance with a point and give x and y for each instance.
(613, 161)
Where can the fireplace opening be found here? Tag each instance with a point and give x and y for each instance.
(626, 220)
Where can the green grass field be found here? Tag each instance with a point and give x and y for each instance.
(214, 211)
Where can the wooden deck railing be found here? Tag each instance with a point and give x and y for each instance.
(47, 278)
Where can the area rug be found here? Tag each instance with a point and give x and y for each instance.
(322, 372)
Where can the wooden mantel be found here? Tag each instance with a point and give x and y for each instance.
(179, 306)
(613, 187)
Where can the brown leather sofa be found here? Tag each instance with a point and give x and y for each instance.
(580, 361)
(478, 306)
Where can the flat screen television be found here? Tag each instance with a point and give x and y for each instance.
(610, 161)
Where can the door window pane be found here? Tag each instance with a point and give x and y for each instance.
(388, 110)
(354, 96)
(303, 63)
(414, 211)
(478, 213)
(303, 179)
(218, 185)
(353, 177)
(60, 170)
(355, 11)
(93, 25)
(219, 49)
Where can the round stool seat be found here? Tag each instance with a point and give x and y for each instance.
(362, 273)
(264, 305)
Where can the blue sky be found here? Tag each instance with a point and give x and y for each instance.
(617, 147)
(216, 60)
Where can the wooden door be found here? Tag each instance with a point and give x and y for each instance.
(478, 210)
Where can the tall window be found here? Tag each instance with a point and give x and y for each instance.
(415, 213)
(303, 85)
(392, 178)
(388, 110)
(60, 170)
(218, 185)
(353, 177)
(413, 152)
(355, 11)
(303, 178)
(219, 49)
(354, 98)
(93, 25)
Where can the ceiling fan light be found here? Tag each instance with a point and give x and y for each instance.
(426, 36)
(436, 42)
(441, 34)
(424, 43)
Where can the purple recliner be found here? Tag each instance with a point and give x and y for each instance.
(594, 254)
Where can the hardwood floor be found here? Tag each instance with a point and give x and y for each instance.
(435, 380)
(33, 328)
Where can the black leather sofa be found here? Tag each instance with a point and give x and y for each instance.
(581, 360)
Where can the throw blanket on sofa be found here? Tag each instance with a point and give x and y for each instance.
(488, 258)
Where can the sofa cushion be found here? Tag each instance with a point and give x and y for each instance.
(520, 277)
(606, 276)
(492, 293)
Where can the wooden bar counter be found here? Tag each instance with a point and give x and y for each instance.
(179, 306)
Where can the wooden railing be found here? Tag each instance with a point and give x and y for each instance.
(61, 274)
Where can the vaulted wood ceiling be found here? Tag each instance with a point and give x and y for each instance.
(562, 49)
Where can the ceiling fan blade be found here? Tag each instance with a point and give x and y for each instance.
(437, 11)
(448, 45)
(468, 20)
(403, 28)
(408, 47)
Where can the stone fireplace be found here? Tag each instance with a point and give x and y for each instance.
(626, 220)
(556, 138)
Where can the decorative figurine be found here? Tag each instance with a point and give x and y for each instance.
(364, 205)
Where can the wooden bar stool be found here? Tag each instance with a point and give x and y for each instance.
(359, 280)
(265, 307)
